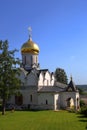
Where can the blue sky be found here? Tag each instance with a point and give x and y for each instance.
(59, 27)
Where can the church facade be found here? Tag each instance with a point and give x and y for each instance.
(39, 89)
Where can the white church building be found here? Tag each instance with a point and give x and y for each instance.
(39, 89)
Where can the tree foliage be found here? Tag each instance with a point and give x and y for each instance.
(84, 110)
(80, 91)
(9, 82)
(61, 76)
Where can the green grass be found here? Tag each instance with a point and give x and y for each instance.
(42, 120)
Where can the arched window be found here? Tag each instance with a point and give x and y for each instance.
(19, 99)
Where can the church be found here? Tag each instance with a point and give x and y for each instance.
(39, 89)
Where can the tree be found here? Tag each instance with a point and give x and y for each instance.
(80, 91)
(61, 76)
(9, 82)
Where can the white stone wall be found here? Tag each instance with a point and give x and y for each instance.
(31, 80)
(65, 95)
(40, 81)
(52, 82)
(22, 77)
(56, 98)
(29, 59)
(26, 97)
(34, 59)
(46, 97)
(77, 102)
(47, 79)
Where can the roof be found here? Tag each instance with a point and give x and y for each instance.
(37, 72)
(50, 89)
(23, 70)
(31, 87)
(60, 85)
(71, 86)
(43, 71)
(30, 47)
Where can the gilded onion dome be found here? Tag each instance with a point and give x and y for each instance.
(30, 46)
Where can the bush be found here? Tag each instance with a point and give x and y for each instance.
(82, 103)
(84, 110)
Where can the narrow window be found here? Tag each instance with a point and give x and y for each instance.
(47, 82)
(25, 59)
(46, 102)
(36, 59)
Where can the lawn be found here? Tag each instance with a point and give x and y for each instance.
(42, 120)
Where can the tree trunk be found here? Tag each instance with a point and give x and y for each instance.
(3, 106)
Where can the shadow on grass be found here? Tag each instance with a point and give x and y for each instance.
(83, 118)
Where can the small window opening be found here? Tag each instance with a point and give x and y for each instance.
(46, 102)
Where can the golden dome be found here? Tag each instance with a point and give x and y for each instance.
(30, 47)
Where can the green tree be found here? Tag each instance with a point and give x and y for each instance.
(9, 83)
(61, 76)
(80, 90)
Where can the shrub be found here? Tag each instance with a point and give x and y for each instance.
(82, 103)
(84, 110)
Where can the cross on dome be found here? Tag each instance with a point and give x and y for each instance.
(30, 33)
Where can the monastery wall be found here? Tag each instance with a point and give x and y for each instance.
(65, 96)
(46, 100)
